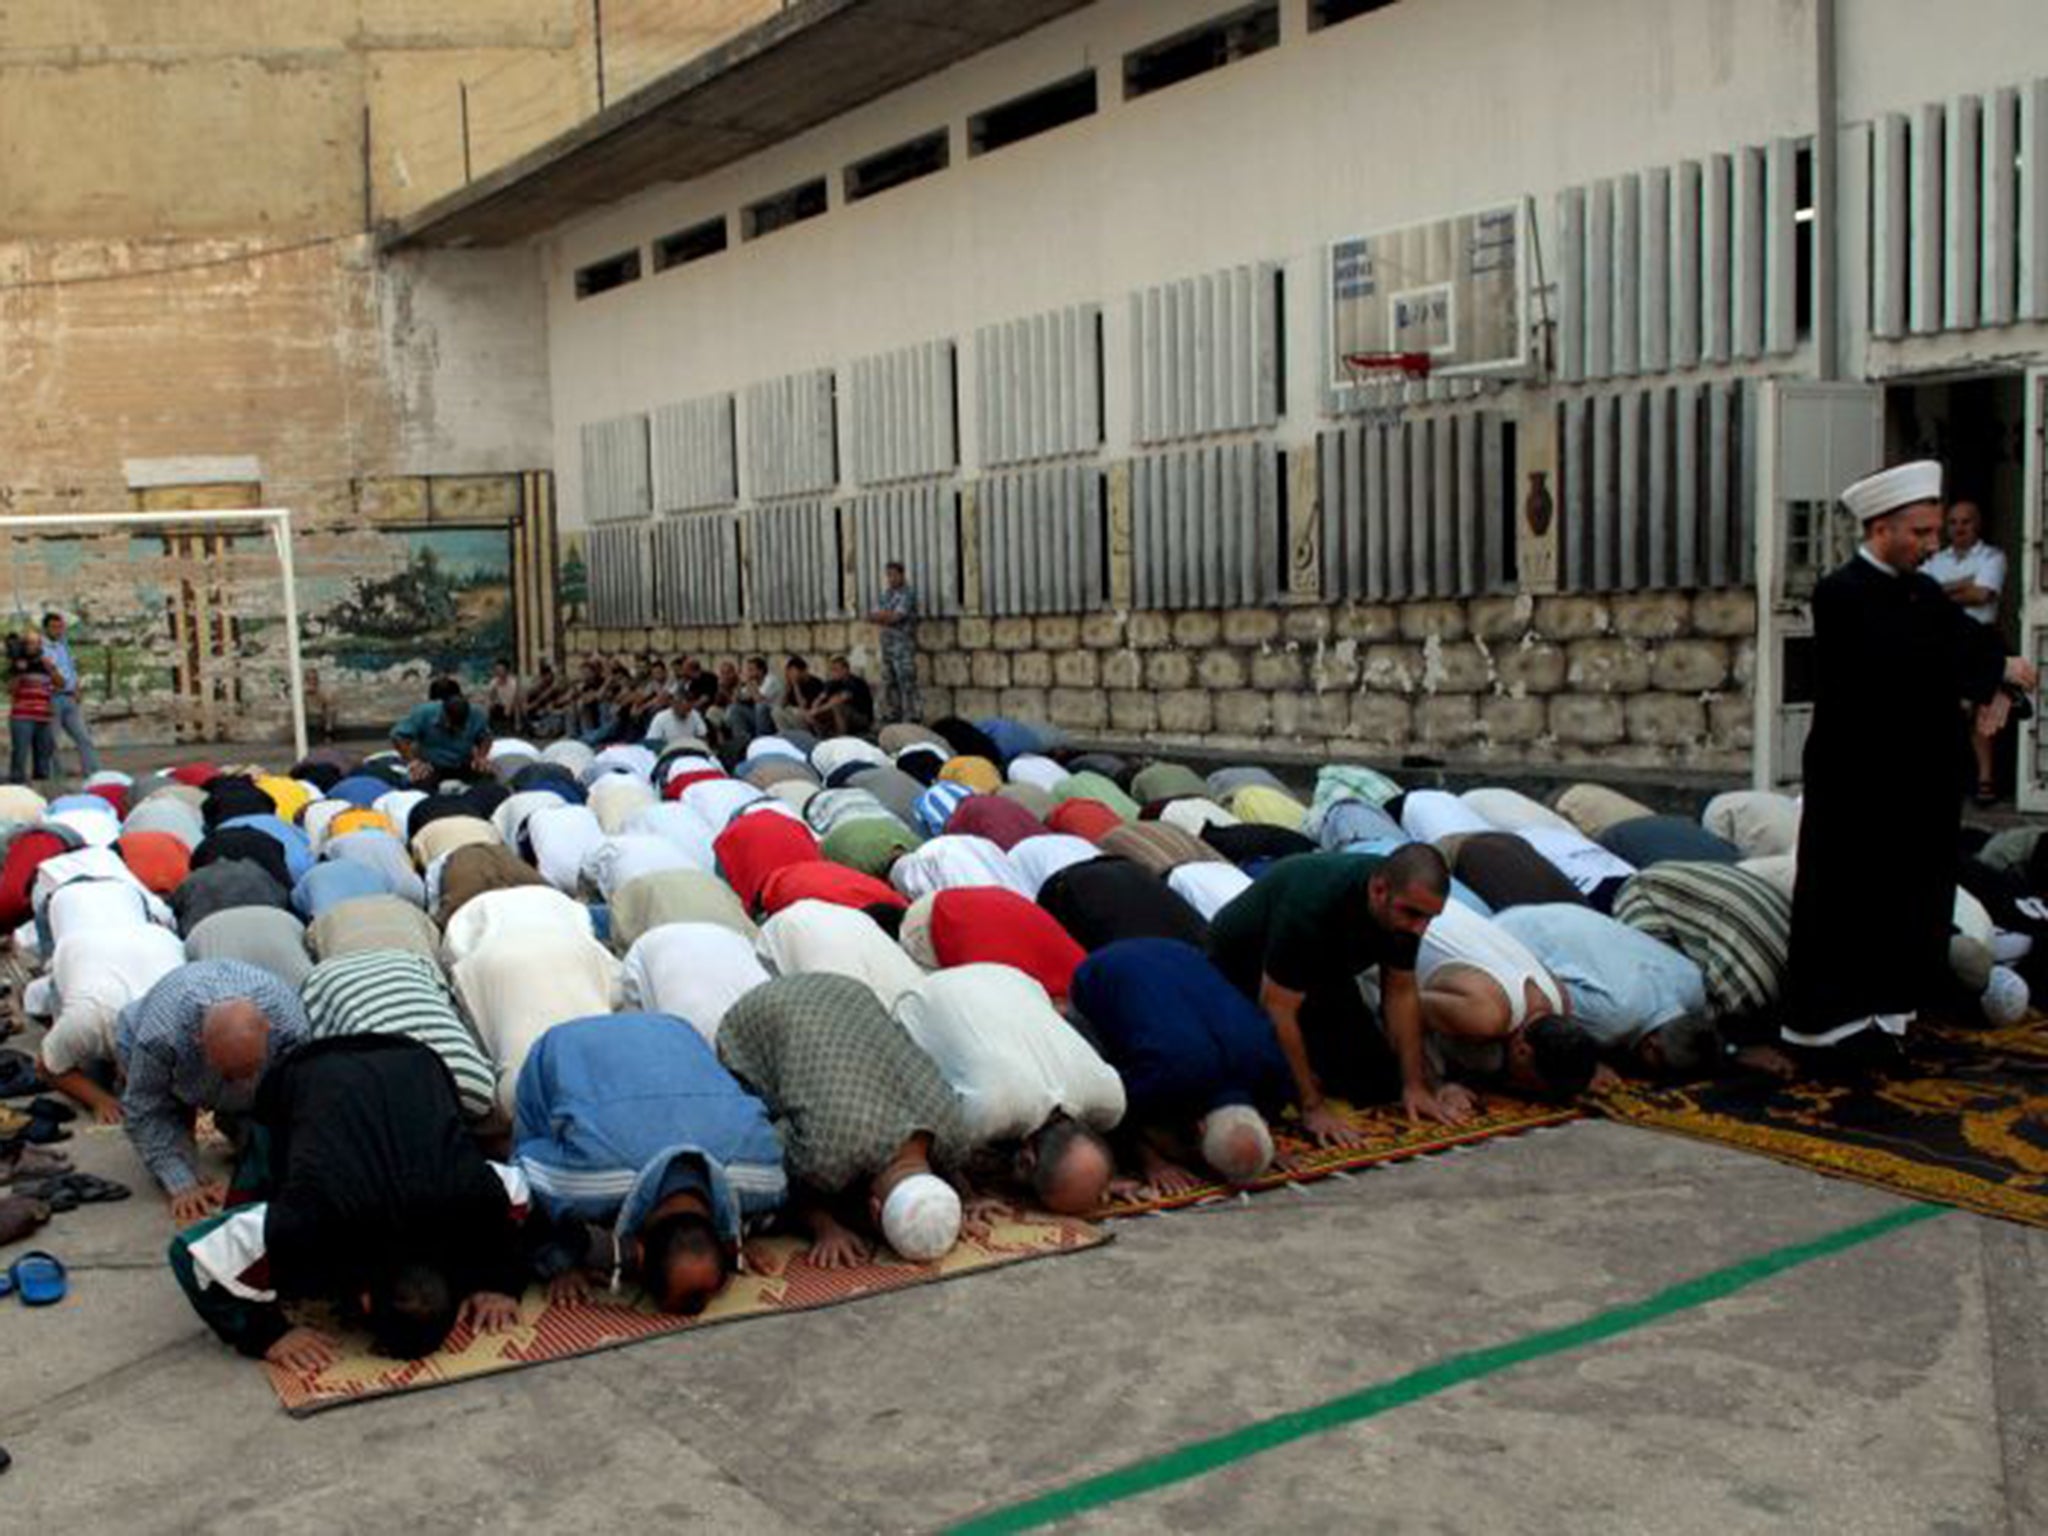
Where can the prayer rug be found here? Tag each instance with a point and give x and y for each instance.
(1963, 1121)
(776, 1281)
(1386, 1136)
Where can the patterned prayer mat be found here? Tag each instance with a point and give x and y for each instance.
(1964, 1123)
(776, 1281)
(1386, 1136)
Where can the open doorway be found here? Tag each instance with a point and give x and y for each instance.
(1976, 426)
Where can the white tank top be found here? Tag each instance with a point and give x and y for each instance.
(1460, 936)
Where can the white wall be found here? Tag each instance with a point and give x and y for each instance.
(1428, 108)
(464, 351)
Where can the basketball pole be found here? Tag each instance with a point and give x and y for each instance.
(279, 520)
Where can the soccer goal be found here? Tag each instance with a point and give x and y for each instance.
(276, 521)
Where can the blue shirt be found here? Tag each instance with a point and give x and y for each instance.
(59, 652)
(1182, 1038)
(426, 728)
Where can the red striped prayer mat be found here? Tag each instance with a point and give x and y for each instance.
(1386, 1135)
(777, 1280)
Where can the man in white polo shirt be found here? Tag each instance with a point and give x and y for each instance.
(1972, 573)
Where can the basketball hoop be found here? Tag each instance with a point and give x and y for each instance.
(1410, 365)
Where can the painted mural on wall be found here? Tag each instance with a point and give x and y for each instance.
(445, 605)
(181, 637)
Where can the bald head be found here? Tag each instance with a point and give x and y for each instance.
(1072, 1168)
(235, 1035)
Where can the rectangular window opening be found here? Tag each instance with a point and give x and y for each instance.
(1510, 508)
(1279, 342)
(1028, 116)
(1197, 51)
(688, 245)
(784, 209)
(893, 167)
(1327, 13)
(1802, 243)
(612, 272)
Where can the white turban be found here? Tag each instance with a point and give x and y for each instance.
(921, 1218)
(1890, 489)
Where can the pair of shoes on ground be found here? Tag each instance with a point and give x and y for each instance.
(41, 1121)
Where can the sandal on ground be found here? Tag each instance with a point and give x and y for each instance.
(19, 1216)
(18, 1076)
(68, 1191)
(39, 1278)
(1984, 796)
(25, 1162)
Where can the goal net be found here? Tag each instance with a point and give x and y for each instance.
(184, 625)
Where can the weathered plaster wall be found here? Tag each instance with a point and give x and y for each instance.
(186, 273)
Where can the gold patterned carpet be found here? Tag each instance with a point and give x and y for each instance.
(1963, 1122)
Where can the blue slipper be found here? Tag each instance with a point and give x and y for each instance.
(39, 1277)
(6, 1282)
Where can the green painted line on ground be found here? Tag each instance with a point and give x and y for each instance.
(1202, 1457)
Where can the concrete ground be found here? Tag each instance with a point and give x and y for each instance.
(1901, 1385)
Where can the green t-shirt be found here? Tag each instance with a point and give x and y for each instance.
(1307, 922)
(426, 727)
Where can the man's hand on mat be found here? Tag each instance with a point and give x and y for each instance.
(1172, 1178)
(1448, 1105)
(196, 1202)
(303, 1349)
(109, 1112)
(837, 1247)
(1605, 1080)
(569, 1289)
(1767, 1059)
(1125, 1188)
(488, 1312)
(978, 1217)
(1326, 1128)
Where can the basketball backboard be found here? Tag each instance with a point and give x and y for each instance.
(1451, 288)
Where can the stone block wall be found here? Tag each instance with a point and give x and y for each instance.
(1647, 680)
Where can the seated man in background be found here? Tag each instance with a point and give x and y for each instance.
(847, 706)
(377, 1201)
(1202, 1070)
(201, 1038)
(1297, 943)
(443, 738)
(1028, 1084)
(864, 1116)
(1495, 1014)
(648, 1156)
(801, 691)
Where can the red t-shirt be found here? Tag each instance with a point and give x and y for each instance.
(31, 694)
(755, 845)
(986, 925)
(816, 880)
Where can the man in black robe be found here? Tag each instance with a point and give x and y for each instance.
(378, 1202)
(1885, 769)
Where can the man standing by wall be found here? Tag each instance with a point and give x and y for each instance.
(896, 617)
(1895, 661)
(66, 710)
(1972, 573)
